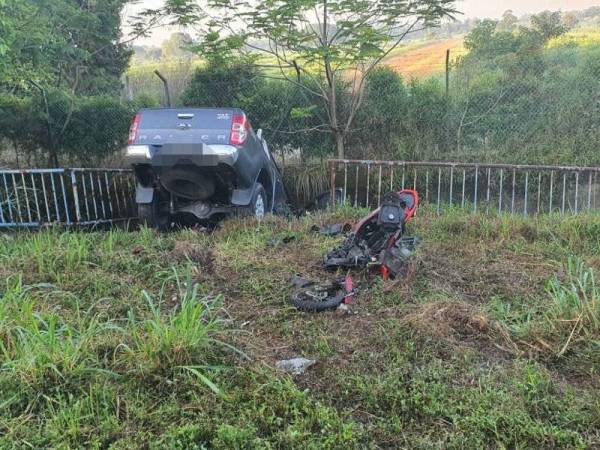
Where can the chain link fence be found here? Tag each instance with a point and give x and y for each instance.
(538, 106)
(533, 106)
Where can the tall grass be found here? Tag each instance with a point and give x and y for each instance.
(309, 181)
(573, 317)
(41, 343)
(37, 344)
(183, 338)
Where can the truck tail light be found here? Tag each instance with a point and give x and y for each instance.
(240, 128)
(135, 127)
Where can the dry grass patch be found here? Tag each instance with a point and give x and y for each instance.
(458, 323)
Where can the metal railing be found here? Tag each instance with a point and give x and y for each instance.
(511, 188)
(39, 197)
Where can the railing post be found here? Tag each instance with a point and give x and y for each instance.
(345, 183)
(1, 209)
(451, 183)
(551, 193)
(501, 188)
(368, 181)
(356, 188)
(476, 188)
(379, 188)
(439, 188)
(8, 202)
(35, 197)
(589, 198)
(75, 195)
(487, 192)
(26, 197)
(526, 193)
(64, 193)
(576, 190)
(332, 182)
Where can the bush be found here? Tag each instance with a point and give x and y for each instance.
(222, 86)
(286, 112)
(77, 130)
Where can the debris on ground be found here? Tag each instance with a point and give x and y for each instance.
(377, 241)
(138, 250)
(312, 296)
(279, 240)
(332, 230)
(378, 238)
(342, 309)
(295, 366)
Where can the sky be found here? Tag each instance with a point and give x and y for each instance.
(469, 8)
(494, 9)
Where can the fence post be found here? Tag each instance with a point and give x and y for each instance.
(64, 193)
(332, 180)
(526, 193)
(476, 188)
(75, 195)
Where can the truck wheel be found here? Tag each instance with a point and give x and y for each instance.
(258, 205)
(155, 214)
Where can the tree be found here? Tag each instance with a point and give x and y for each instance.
(570, 19)
(548, 24)
(321, 46)
(53, 55)
(69, 44)
(216, 85)
(508, 22)
(176, 47)
(384, 114)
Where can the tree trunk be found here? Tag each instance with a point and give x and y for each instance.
(52, 158)
(339, 144)
(16, 148)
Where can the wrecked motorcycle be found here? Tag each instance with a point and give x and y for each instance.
(377, 241)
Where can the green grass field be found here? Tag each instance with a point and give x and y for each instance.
(128, 340)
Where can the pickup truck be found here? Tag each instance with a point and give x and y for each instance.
(200, 165)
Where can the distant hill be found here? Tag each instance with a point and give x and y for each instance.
(425, 59)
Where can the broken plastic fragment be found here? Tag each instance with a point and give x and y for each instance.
(295, 366)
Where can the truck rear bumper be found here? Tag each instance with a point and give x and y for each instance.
(200, 155)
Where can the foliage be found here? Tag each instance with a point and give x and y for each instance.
(513, 92)
(290, 116)
(513, 98)
(104, 335)
(216, 85)
(574, 317)
(176, 47)
(66, 44)
(312, 43)
(60, 76)
(79, 128)
(525, 92)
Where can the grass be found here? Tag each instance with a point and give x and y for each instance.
(580, 36)
(574, 314)
(129, 340)
(425, 58)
